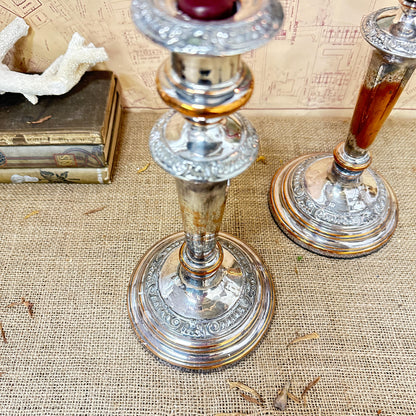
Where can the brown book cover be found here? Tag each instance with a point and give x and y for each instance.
(102, 175)
(81, 116)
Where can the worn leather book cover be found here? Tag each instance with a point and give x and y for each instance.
(81, 116)
(72, 174)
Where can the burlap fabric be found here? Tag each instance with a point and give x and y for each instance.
(78, 355)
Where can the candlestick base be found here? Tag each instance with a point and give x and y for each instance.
(341, 219)
(204, 324)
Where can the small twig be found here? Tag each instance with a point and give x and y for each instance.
(30, 214)
(143, 168)
(41, 120)
(280, 402)
(3, 334)
(306, 337)
(307, 388)
(93, 211)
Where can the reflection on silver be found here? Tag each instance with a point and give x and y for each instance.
(202, 299)
(254, 24)
(329, 216)
(200, 329)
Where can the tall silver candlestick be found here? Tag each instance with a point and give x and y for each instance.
(201, 299)
(336, 205)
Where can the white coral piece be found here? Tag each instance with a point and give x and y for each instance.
(59, 77)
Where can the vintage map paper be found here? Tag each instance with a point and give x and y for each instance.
(315, 64)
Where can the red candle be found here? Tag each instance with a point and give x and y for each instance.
(208, 9)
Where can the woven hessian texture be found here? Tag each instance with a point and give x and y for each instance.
(78, 355)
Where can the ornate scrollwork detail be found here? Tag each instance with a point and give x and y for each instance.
(210, 170)
(383, 40)
(177, 32)
(358, 211)
(192, 328)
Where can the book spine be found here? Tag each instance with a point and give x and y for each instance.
(56, 175)
(87, 156)
(50, 138)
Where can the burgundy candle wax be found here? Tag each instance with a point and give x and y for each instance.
(208, 9)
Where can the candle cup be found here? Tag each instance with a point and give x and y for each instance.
(201, 299)
(336, 205)
(208, 9)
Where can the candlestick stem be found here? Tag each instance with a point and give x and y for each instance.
(202, 206)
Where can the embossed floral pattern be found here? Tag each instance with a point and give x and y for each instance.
(179, 33)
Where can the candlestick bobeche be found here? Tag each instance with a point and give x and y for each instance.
(201, 299)
(336, 205)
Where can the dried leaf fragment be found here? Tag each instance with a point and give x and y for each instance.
(243, 388)
(308, 387)
(143, 168)
(231, 414)
(3, 334)
(41, 120)
(31, 214)
(29, 305)
(251, 399)
(262, 159)
(93, 211)
(306, 337)
(280, 402)
(294, 398)
(13, 304)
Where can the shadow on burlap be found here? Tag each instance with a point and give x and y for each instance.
(79, 355)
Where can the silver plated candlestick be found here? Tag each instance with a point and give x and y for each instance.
(201, 299)
(336, 205)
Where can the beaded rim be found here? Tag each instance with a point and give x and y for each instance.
(254, 24)
(383, 40)
(215, 170)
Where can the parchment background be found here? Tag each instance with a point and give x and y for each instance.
(314, 66)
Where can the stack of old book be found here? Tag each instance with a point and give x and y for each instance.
(70, 138)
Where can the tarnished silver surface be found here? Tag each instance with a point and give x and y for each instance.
(209, 87)
(337, 206)
(392, 31)
(212, 152)
(329, 216)
(254, 24)
(201, 299)
(202, 207)
(200, 328)
(196, 71)
(385, 79)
